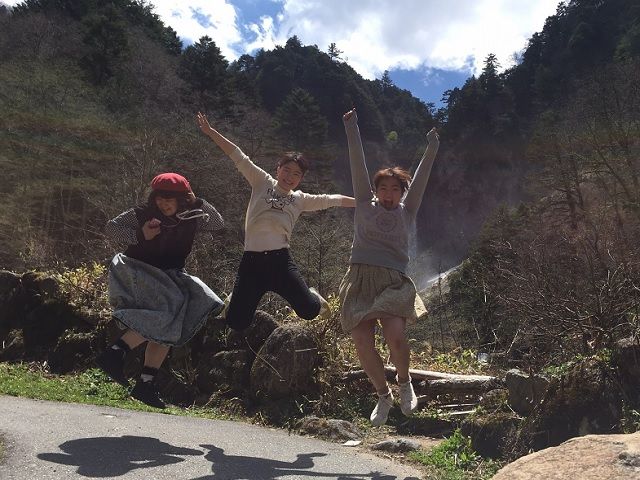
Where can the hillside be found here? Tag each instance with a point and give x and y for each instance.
(87, 84)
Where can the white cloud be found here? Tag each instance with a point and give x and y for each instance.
(377, 35)
(432, 76)
(264, 33)
(193, 19)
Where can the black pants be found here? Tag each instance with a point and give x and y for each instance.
(261, 272)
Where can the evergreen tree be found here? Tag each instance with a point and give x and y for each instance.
(106, 39)
(385, 81)
(76, 9)
(629, 45)
(489, 78)
(275, 77)
(204, 68)
(243, 72)
(333, 52)
(293, 43)
(299, 121)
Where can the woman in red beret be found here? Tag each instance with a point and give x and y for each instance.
(151, 294)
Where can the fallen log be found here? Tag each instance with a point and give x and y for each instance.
(458, 386)
(390, 373)
(432, 383)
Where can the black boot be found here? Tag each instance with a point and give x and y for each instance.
(111, 362)
(147, 392)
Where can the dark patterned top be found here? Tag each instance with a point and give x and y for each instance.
(124, 228)
(172, 245)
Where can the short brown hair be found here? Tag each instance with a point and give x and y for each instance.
(295, 157)
(398, 173)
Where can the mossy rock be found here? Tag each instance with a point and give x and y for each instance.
(286, 364)
(585, 400)
(329, 429)
(73, 351)
(427, 425)
(9, 313)
(626, 359)
(495, 401)
(40, 285)
(173, 389)
(13, 347)
(45, 323)
(492, 434)
(230, 368)
(255, 335)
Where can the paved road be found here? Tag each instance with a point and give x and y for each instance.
(49, 440)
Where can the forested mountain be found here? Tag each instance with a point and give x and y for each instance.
(558, 276)
(490, 121)
(98, 96)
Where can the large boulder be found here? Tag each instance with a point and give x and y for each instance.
(38, 284)
(493, 426)
(329, 429)
(229, 368)
(525, 391)
(173, 389)
(286, 364)
(73, 350)
(9, 283)
(491, 433)
(43, 325)
(430, 426)
(585, 400)
(211, 339)
(37, 306)
(592, 457)
(253, 337)
(10, 287)
(12, 347)
(626, 358)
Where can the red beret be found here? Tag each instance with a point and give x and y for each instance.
(170, 182)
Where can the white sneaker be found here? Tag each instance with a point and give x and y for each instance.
(381, 412)
(408, 399)
(325, 309)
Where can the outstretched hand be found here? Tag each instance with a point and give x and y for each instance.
(348, 115)
(432, 136)
(203, 123)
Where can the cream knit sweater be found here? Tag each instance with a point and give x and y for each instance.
(272, 212)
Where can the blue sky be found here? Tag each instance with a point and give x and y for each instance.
(428, 46)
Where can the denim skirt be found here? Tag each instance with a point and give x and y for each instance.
(164, 306)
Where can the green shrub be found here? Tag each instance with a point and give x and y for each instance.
(455, 459)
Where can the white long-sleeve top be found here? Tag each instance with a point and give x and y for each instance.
(272, 212)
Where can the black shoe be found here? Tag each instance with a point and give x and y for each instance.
(111, 362)
(147, 393)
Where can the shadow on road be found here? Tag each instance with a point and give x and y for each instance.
(237, 467)
(115, 456)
